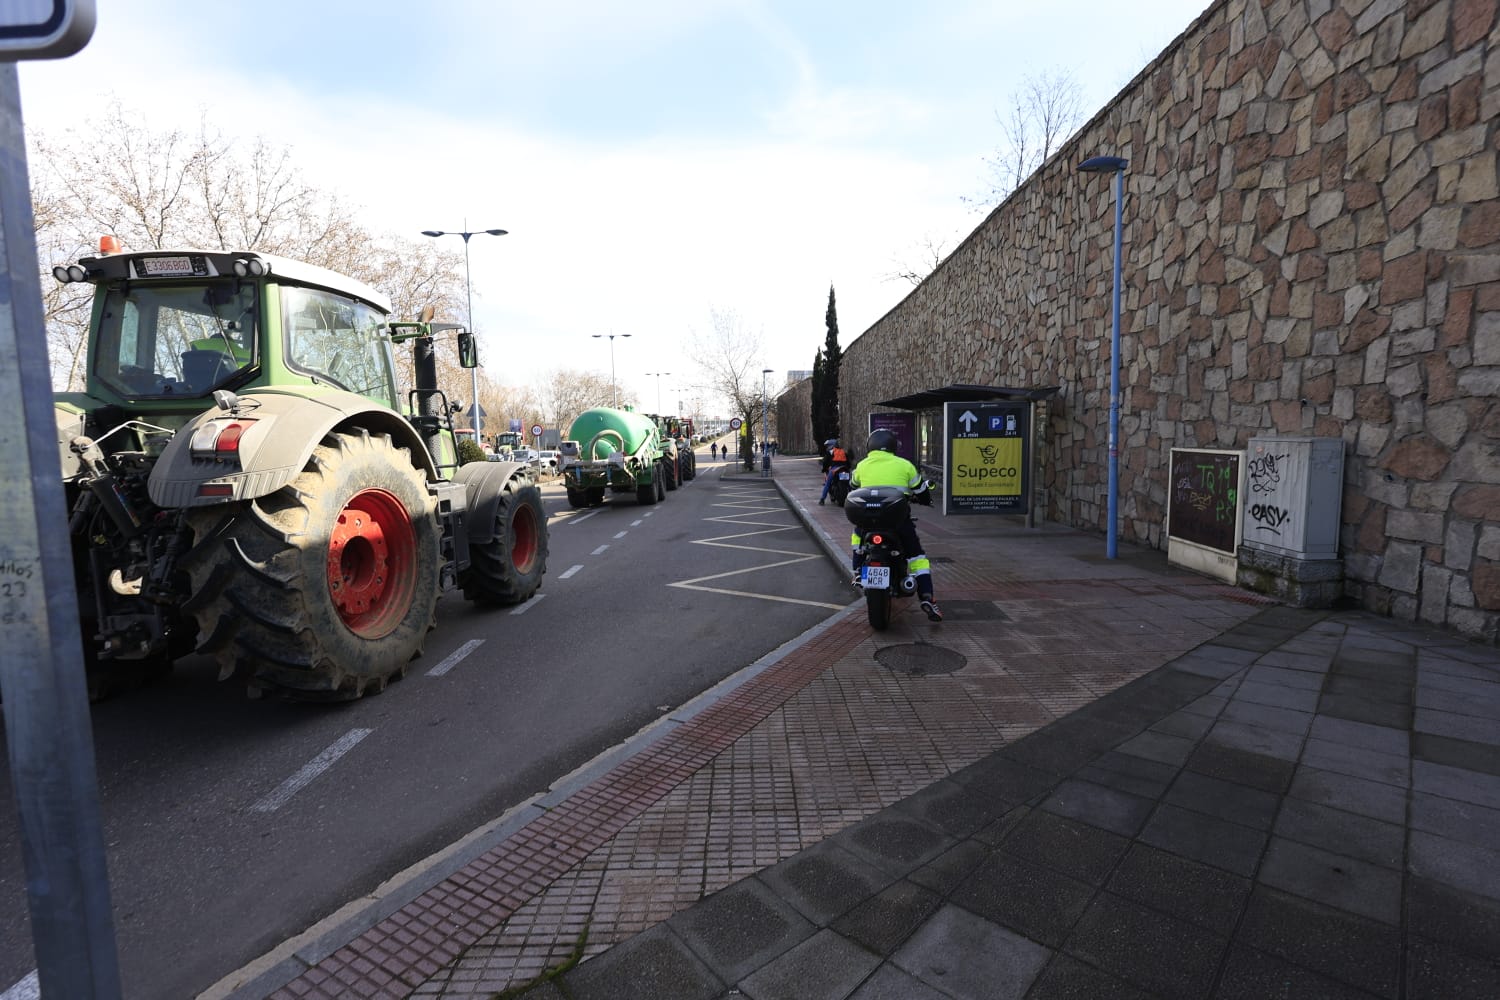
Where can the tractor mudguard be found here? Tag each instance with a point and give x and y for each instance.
(485, 482)
(280, 429)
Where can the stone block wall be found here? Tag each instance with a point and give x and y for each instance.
(1311, 245)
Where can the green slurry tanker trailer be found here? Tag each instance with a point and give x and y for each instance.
(619, 451)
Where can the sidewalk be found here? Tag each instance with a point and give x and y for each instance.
(1095, 778)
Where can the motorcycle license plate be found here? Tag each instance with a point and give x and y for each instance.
(844, 476)
(877, 577)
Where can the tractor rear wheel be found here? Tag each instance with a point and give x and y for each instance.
(508, 568)
(646, 495)
(325, 589)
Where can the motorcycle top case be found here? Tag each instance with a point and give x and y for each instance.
(882, 507)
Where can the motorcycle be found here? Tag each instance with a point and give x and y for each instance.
(838, 490)
(876, 513)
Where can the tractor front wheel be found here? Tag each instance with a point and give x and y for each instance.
(324, 589)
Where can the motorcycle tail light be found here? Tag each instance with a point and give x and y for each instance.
(876, 540)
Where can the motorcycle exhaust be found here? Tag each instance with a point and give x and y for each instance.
(908, 584)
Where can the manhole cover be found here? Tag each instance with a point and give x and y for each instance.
(920, 659)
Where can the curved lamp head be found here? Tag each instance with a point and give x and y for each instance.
(1103, 164)
(433, 232)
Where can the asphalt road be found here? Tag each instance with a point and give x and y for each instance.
(232, 825)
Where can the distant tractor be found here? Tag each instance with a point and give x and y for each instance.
(614, 451)
(245, 480)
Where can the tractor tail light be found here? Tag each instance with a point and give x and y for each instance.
(219, 440)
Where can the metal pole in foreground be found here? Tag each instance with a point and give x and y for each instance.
(47, 729)
(469, 289)
(1117, 165)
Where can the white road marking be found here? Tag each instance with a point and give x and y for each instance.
(583, 517)
(28, 987)
(569, 572)
(600, 550)
(637, 522)
(452, 659)
(310, 770)
(521, 609)
(622, 534)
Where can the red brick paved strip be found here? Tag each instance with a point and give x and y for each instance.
(431, 931)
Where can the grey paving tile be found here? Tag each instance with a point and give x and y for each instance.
(951, 867)
(1026, 897)
(969, 958)
(894, 843)
(1437, 970)
(1316, 663)
(955, 808)
(882, 922)
(1474, 729)
(1337, 880)
(1361, 709)
(1064, 747)
(1442, 913)
(1108, 808)
(1373, 688)
(1224, 799)
(1355, 950)
(1284, 696)
(1465, 821)
(1077, 849)
(1264, 673)
(1482, 757)
(1475, 698)
(1250, 637)
(891, 983)
(1199, 837)
(1251, 713)
(1159, 953)
(1243, 767)
(739, 929)
(1187, 890)
(1126, 773)
(1456, 783)
(824, 967)
(1160, 747)
(1209, 706)
(655, 964)
(824, 881)
(1251, 974)
(1184, 723)
(1000, 829)
(1335, 830)
(998, 778)
(1066, 978)
(1382, 739)
(1452, 862)
(1357, 795)
(1255, 739)
(1361, 762)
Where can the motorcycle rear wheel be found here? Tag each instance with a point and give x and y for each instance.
(878, 606)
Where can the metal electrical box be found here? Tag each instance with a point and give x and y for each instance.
(1293, 496)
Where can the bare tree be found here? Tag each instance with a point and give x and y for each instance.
(567, 392)
(929, 254)
(731, 358)
(1046, 112)
(156, 189)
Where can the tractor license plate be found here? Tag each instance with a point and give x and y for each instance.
(877, 578)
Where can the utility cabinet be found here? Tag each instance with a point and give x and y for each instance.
(1293, 502)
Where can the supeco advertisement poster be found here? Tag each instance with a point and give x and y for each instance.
(989, 453)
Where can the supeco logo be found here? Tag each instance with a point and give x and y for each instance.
(983, 473)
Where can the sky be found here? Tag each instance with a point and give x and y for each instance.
(654, 162)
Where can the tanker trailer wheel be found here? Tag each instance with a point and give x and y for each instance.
(645, 495)
(669, 473)
(326, 588)
(661, 482)
(508, 568)
(577, 498)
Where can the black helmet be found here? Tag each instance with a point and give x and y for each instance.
(831, 443)
(883, 440)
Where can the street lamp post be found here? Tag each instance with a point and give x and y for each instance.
(765, 408)
(469, 288)
(658, 388)
(1115, 165)
(614, 390)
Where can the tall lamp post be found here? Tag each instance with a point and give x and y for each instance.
(1115, 165)
(469, 287)
(765, 407)
(614, 390)
(658, 388)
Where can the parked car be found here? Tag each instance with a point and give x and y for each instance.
(551, 461)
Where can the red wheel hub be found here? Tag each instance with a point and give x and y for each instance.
(371, 556)
(524, 538)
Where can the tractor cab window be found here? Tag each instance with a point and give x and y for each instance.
(338, 340)
(176, 340)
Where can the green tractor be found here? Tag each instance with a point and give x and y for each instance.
(245, 480)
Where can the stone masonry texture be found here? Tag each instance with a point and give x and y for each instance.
(1311, 246)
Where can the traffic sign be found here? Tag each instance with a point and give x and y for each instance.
(536, 430)
(735, 423)
(44, 29)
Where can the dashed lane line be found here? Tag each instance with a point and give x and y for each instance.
(569, 571)
(310, 770)
(600, 550)
(452, 659)
(527, 605)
